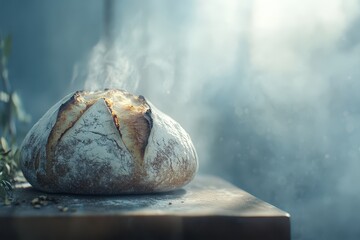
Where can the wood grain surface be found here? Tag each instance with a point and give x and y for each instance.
(207, 208)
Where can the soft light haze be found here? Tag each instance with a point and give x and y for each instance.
(268, 90)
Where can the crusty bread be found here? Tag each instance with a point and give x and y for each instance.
(107, 142)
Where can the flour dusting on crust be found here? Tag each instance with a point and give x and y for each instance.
(107, 142)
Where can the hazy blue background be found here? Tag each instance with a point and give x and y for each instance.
(268, 90)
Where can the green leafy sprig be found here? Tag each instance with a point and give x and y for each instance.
(8, 170)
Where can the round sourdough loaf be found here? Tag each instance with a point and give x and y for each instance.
(107, 142)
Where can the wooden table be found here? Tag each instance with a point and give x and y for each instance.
(207, 208)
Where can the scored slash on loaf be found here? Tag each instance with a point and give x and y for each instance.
(107, 142)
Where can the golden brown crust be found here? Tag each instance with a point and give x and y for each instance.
(134, 120)
(63, 123)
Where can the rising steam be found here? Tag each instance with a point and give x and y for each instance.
(110, 68)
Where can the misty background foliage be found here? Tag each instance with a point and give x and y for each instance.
(11, 114)
(268, 90)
